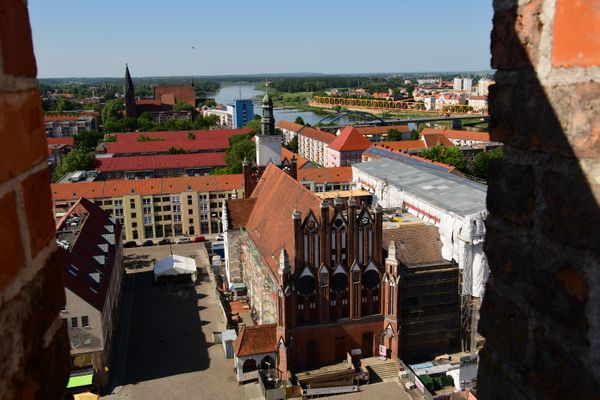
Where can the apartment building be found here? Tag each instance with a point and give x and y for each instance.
(158, 207)
(312, 144)
(90, 252)
(68, 125)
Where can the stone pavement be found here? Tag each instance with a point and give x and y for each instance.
(166, 339)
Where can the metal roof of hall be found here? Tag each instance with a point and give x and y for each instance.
(441, 189)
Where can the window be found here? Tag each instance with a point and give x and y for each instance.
(118, 212)
(177, 218)
(85, 321)
(76, 341)
(147, 210)
(190, 211)
(147, 219)
(147, 201)
(133, 215)
(177, 208)
(175, 200)
(119, 203)
(74, 322)
(87, 339)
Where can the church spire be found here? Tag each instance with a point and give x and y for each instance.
(267, 121)
(129, 90)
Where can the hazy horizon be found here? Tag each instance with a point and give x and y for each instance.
(95, 39)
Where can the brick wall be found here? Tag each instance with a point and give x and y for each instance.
(541, 310)
(34, 349)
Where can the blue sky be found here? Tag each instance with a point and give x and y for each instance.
(88, 38)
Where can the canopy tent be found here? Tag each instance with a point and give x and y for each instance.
(175, 265)
(83, 379)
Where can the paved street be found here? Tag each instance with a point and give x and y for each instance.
(168, 354)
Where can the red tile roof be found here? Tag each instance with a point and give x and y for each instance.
(86, 254)
(277, 195)
(436, 139)
(350, 140)
(287, 154)
(122, 187)
(53, 118)
(460, 135)
(68, 140)
(290, 126)
(326, 175)
(381, 130)
(317, 134)
(239, 211)
(256, 340)
(162, 161)
(179, 135)
(401, 145)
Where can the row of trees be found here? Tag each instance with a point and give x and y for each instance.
(453, 156)
(115, 121)
(82, 157)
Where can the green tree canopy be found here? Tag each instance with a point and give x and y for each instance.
(87, 139)
(393, 135)
(182, 106)
(254, 125)
(75, 160)
(447, 155)
(293, 144)
(173, 150)
(112, 111)
(242, 148)
(299, 120)
(482, 160)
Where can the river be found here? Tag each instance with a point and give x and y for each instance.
(227, 94)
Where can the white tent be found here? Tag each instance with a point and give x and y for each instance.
(175, 265)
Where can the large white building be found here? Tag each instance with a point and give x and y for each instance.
(483, 86)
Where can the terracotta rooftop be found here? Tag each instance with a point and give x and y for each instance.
(152, 186)
(179, 135)
(55, 118)
(68, 140)
(288, 154)
(401, 145)
(238, 212)
(380, 130)
(317, 134)
(256, 340)
(415, 244)
(350, 139)
(214, 144)
(291, 126)
(460, 135)
(162, 161)
(326, 175)
(436, 139)
(277, 196)
(92, 252)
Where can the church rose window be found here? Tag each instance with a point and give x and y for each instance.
(306, 285)
(370, 279)
(339, 282)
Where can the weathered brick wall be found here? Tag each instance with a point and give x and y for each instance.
(34, 348)
(541, 310)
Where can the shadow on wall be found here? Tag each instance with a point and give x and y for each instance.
(540, 313)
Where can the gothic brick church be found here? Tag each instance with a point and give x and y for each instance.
(315, 269)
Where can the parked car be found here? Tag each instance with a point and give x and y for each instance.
(165, 241)
(199, 239)
(184, 240)
(148, 242)
(130, 243)
(220, 238)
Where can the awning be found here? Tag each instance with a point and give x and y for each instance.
(80, 380)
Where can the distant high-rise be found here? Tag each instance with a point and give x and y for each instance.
(243, 112)
(483, 86)
(467, 84)
(457, 84)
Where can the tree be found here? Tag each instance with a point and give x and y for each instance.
(293, 144)
(75, 160)
(191, 135)
(482, 160)
(299, 120)
(112, 111)
(414, 135)
(182, 106)
(173, 150)
(393, 135)
(255, 125)
(63, 104)
(447, 155)
(87, 139)
(242, 148)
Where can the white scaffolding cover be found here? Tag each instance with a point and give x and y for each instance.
(462, 241)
